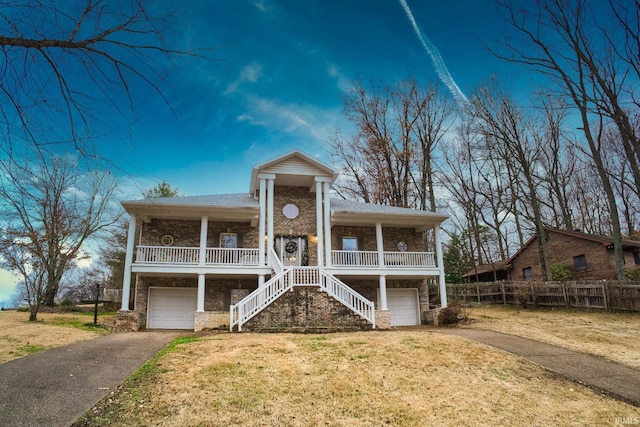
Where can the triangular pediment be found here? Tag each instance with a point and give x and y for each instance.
(293, 169)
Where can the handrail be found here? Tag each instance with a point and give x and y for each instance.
(275, 262)
(167, 255)
(257, 300)
(392, 259)
(232, 256)
(349, 297)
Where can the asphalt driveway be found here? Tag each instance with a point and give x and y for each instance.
(619, 381)
(55, 387)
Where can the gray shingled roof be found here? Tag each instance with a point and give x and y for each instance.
(238, 200)
(350, 206)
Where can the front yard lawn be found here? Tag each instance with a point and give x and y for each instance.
(396, 378)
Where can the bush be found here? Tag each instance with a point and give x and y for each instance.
(449, 315)
(632, 275)
(561, 272)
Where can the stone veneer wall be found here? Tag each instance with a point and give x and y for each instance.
(383, 319)
(211, 320)
(306, 309)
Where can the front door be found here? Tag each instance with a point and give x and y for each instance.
(290, 249)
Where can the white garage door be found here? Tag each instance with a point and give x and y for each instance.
(403, 305)
(172, 308)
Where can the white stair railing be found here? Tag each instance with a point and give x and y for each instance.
(256, 301)
(348, 297)
(285, 280)
(274, 261)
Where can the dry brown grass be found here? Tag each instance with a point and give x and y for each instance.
(398, 378)
(613, 336)
(19, 337)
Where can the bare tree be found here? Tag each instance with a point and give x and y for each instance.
(48, 212)
(568, 41)
(506, 131)
(391, 158)
(557, 162)
(434, 117)
(46, 45)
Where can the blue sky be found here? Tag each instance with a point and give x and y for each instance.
(283, 69)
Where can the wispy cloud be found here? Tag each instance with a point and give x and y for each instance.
(344, 84)
(317, 124)
(438, 62)
(249, 74)
(260, 5)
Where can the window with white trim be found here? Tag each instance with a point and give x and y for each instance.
(228, 240)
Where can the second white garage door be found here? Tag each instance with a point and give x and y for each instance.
(172, 308)
(404, 307)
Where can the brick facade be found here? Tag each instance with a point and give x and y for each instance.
(303, 308)
(562, 250)
(391, 236)
(187, 233)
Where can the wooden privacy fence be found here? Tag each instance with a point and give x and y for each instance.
(587, 295)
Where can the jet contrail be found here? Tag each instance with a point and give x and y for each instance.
(441, 68)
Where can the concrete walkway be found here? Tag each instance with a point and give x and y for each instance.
(56, 387)
(612, 378)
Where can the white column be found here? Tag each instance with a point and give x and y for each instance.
(262, 219)
(261, 280)
(383, 293)
(327, 222)
(270, 213)
(204, 227)
(380, 245)
(440, 261)
(319, 223)
(201, 288)
(126, 281)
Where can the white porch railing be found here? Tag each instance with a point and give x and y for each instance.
(409, 259)
(234, 256)
(347, 296)
(356, 259)
(191, 256)
(167, 255)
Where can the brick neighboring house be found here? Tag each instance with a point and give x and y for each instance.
(589, 257)
(283, 255)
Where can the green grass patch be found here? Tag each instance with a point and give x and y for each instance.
(132, 393)
(32, 348)
(74, 322)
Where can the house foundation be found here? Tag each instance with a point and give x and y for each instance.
(211, 320)
(383, 319)
(127, 321)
